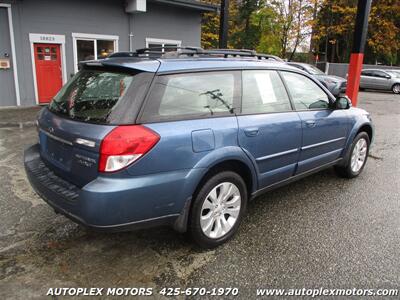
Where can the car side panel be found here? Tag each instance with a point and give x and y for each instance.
(184, 143)
(357, 118)
(274, 145)
(324, 137)
(163, 180)
(366, 81)
(381, 83)
(229, 153)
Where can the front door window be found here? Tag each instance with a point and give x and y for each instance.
(306, 94)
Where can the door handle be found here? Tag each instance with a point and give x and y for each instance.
(251, 132)
(310, 123)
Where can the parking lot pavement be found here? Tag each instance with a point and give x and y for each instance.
(322, 231)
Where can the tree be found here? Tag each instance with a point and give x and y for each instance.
(384, 31)
(246, 33)
(266, 19)
(334, 29)
(272, 26)
(210, 26)
(210, 29)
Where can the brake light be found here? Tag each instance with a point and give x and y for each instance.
(124, 145)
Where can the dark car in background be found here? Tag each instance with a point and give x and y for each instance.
(133, 140)
(335, 84)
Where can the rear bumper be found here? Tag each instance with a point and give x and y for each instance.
(113, 204)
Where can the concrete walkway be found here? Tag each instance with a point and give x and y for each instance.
(19, 116)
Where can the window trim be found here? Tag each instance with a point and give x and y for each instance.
(237, 100)
(320, 85)
(237, 95)
(91, 37)
(14, 68)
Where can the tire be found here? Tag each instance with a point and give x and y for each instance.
(206, 226)
(356, 160)
(396, 88)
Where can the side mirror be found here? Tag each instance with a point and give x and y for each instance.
(342, 102)
(388, 76)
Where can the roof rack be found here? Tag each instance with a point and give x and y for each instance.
(243, 52)
(174, 52)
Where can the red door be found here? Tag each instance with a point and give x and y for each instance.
(48, 71)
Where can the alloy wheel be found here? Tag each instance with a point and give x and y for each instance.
(220, 210)
(359, 155)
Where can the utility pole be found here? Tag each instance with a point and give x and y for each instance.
(223, 24)
(357, 55)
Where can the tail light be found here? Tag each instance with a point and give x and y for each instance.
(124, 145)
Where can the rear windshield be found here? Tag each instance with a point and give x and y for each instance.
(92, 95)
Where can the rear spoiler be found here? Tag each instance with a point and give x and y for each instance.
(123, 64)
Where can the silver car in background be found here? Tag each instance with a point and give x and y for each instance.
(335, 84)
(388, 80)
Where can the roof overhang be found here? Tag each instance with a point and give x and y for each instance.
(190, 4)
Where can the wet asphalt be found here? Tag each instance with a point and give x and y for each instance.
(322, 231)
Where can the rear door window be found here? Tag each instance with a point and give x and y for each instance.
(379, 74)
(192, 95)
(366, 73)
(264, 92)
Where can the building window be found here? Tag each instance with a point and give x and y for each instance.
(167, 45)
(93, 46)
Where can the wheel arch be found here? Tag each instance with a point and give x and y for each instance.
(396, 83)
(235, 161)
(234, 165)
(366, 128)
(357, 128)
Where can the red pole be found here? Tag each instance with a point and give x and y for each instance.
(353, 79)
(357, 55)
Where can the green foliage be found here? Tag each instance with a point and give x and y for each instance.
(266, 20)
(269, 26)
(210, 29)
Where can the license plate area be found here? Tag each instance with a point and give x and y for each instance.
(59, 153)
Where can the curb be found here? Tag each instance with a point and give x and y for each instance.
(17, 124)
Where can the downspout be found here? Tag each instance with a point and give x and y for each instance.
(132, 7)
(130, 32)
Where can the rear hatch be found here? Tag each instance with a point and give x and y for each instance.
(88, 107)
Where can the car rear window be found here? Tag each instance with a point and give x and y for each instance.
(191, 95)
(92, 95)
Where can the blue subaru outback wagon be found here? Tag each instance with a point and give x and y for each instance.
(187, 138)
